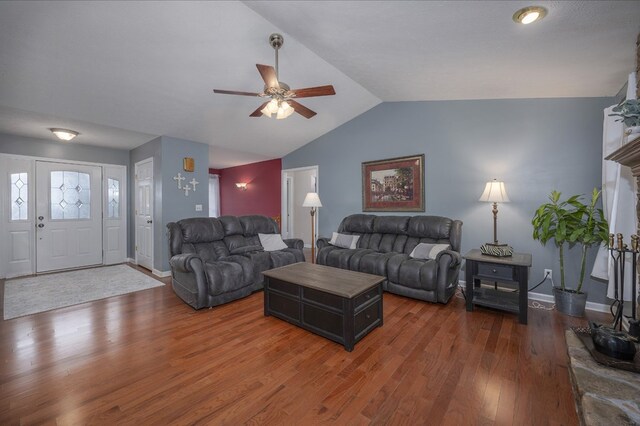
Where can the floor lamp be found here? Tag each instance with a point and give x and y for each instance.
(312, 200)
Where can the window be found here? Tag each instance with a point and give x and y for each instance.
(70, 195)
(113, 203)
(19, 196)
(214, 195)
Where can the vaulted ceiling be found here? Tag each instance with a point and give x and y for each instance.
(122, 73)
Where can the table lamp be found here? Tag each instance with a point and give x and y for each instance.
(312, 200)
(495, 192)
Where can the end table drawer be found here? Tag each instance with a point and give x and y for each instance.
(491, 270)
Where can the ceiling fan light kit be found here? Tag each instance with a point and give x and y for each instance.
(281, 96)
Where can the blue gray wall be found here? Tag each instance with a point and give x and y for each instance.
(533, 145)
(19, 145)
(170, 203)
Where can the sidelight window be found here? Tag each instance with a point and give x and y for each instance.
(19, 196)
(113, 203)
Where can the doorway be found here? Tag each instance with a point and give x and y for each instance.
(144, 213)
(296, 220)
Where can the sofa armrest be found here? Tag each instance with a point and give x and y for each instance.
(448, 268)
(322, 242)
(295, 243)
(454, 258)
(183, 262)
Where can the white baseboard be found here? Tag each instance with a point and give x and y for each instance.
(548, 298)
(131, 260)
(161, 274)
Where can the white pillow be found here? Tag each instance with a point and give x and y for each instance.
(344, 240)
(428, 251)
(272, 242)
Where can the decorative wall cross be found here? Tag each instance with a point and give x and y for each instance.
(193, 183)
(179, 178)
(186, 188)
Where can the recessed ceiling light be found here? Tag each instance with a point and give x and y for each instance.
(64, 134)
(528, 15)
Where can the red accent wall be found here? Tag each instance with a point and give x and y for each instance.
(263, 189)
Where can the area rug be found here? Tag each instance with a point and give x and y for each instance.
(26, 296)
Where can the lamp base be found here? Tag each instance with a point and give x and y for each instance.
(498, 250)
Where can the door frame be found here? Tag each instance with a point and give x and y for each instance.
(4, 272)
(288, 173)
(135, 212)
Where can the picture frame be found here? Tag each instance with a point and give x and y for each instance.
(393, 185)
(188, 164)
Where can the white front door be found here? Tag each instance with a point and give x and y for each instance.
(68, 216)
(144, 213)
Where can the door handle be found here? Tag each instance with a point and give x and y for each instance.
(149, 221)
(40, 225)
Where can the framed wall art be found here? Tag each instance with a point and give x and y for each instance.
(393, 185)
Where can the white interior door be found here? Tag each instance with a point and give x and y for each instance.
(68, 216)
(144, 213)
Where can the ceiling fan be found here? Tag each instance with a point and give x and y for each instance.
(281, 98)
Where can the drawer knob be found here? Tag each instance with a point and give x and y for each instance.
(494, 271)
(368, 296)
(368, 316)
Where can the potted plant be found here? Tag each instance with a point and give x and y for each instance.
(629, 113)
(572, 223)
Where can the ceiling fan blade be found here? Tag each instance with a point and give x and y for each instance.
(301, 109)
(268, 74)
(258, 112)
(314, 91)
(234, 92)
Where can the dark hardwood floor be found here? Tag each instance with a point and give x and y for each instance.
(148, 358)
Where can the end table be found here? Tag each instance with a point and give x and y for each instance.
(513, 270)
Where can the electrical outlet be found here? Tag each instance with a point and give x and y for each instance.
(550, 274)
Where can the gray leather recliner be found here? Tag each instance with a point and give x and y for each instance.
(384, 247)
(217, 260)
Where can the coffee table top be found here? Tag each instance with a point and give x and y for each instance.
(340, 282)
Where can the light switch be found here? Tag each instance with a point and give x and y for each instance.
(198, 207)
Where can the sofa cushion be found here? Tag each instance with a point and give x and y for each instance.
(344, 240)
(375, 263)
(235, 242)
(272, 242)
(428, 251)
(201, 230)
(254, 225)
(231, 225)
(224, 277)
(391, 224)
(246, 249)
(418, 274)
(432, 227)
(282, 258)
(357, 223)
(207, 251)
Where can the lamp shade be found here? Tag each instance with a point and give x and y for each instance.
(312, 200)
(495, 192)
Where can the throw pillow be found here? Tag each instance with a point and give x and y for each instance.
(272, 242)
(428, 251)
(344, 240)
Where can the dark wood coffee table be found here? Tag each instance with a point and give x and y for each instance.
(341, 305)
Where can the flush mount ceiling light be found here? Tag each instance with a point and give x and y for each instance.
(530, 14)
(64, 134)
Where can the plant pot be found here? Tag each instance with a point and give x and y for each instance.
(570, 302)
(632, 130)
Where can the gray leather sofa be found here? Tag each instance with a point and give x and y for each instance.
(384, 247)
(217, 260)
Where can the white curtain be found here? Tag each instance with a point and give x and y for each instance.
(618, 199)
(214, 195)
